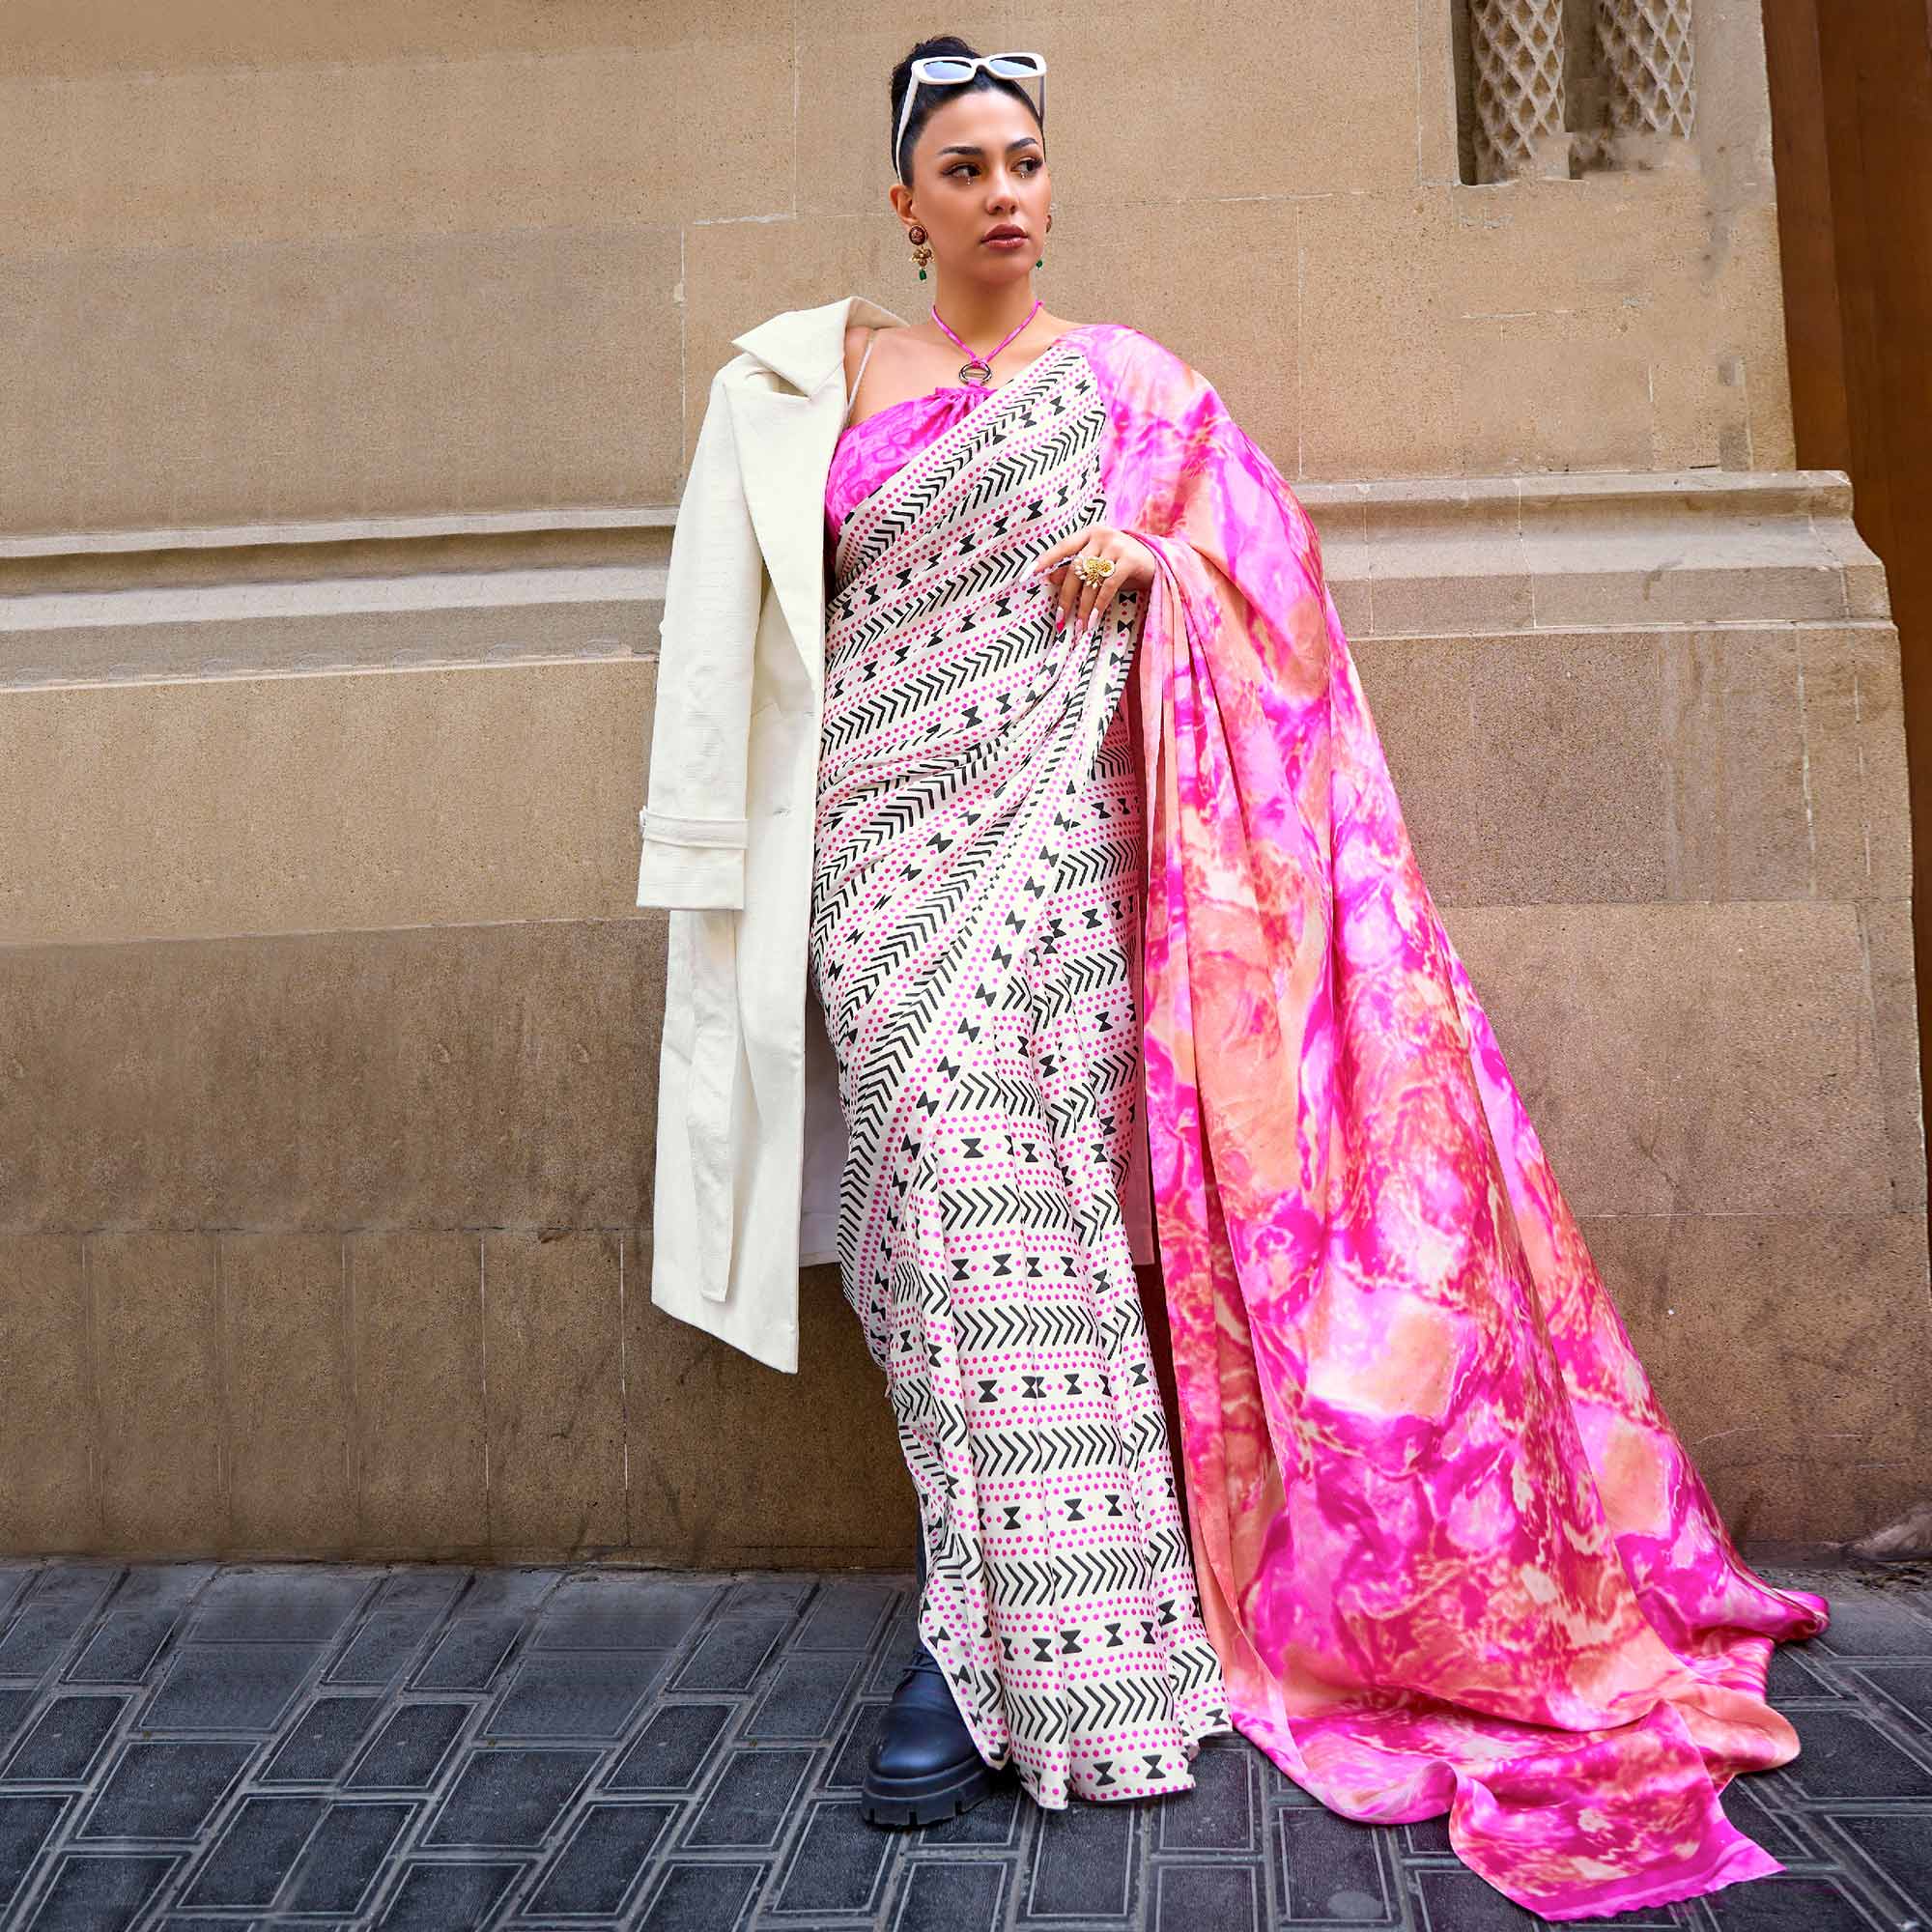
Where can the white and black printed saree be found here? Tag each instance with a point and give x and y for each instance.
(975, 908)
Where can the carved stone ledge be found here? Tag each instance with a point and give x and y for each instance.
(1431, 557)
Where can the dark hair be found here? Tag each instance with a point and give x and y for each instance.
(929, 98)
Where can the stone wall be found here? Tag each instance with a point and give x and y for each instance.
(355, 359)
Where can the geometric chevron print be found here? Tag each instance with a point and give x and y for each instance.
(975, 914)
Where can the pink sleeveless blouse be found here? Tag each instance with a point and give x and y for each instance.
(875, 448)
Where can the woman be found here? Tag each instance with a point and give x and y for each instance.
(975, 908)
(1103, 828)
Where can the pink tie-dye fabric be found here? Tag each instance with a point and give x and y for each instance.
(1450, 1550)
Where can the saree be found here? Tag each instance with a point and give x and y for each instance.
(977, 898)
(1451, 1552)
(1447, 1552)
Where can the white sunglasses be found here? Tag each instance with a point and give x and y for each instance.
(950, 69)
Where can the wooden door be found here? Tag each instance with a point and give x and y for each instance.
(1851, 117)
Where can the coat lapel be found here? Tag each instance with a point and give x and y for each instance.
(785, 430)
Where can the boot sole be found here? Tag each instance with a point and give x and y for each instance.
(930, 1802)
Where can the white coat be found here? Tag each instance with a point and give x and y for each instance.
(750, 1134)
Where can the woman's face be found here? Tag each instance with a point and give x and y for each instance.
(977, 165)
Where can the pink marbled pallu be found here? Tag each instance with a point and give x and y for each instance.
(1450, 1550)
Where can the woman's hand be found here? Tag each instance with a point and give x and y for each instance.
(1134, 565)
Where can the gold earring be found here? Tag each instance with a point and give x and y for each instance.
(921, 253)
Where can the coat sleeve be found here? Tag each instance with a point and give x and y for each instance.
(693, 823)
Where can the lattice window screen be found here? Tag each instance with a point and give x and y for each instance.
(1646, 48)
(1633, 82)
(1516, 49)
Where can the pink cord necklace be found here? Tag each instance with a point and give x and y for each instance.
(984, 364)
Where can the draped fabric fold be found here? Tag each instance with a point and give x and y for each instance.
(1451, 1552)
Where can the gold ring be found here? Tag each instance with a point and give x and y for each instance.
(1095, 569)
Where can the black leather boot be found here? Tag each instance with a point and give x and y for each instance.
(925, 1767)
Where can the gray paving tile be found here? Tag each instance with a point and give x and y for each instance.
(1896, 1847)
(125, 1647)
(749, 1805)
(162, 1586)
(66, 1738)
(26, 1824)
(993, 1824)
(703, 1898)
(15, 1579)
(601, 1865)
(256, 1853)
(1278, 1788)
(587, 1693)
(446, 1897)
(1906, 1686)
(1869, 1625)
(407, 1752)
(1221, 1812)
(282, 1604)
(807, 1695)
(50, 1614)
(429, 1590)
(1844, 1755)
(766, 1596)
(316, 1749)
(860, 1732)
(164, 1788)
(517, 1591)
(230, 1686)
(1084, 1866)
(345, 1856)
(381, 1646)
(1792, 1675)
(151, 1602)
(1229, 1896)
(1791, 1902)
(1744, 1805)
(99, 1892)
(958, 1897)
(469, 1653)
(16, 1703)
(846, 1614)
(1333, 1870)
(643, 1612)
(899, 1647)
(1459, 1901)
(510, 1796)
(838, 1868)
(730, 1655)
(1429, 1837)
(673, 1748)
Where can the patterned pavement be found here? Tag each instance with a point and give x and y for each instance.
(198, 1746)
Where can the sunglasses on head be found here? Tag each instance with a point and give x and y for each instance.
(952, 70)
